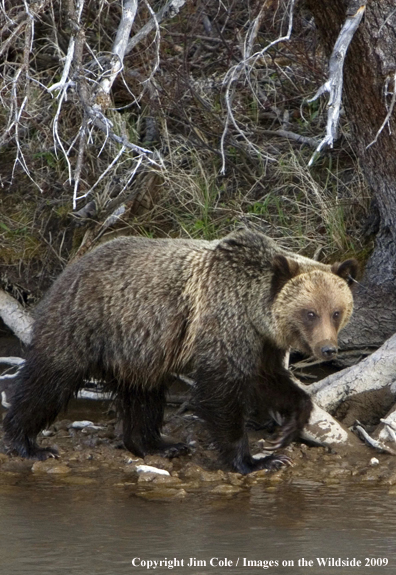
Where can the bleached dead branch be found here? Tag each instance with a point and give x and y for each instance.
(335, 81)
(377, 444)
(21, 78)
(95, 101)
(170, 10)
(129, 10)
(389, 108)
(233, 75)
(11, 361)
(375, 372)
(386, 430)
(15, 317)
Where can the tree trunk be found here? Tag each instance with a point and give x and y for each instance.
(369, 71)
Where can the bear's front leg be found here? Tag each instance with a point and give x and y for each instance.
(221, 401)
(242, 462)
(287, 404)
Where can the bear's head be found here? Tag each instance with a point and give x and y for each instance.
(311, 304)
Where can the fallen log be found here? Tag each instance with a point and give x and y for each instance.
(372, 373)
(15, 317)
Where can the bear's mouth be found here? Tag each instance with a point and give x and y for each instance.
(324, 351)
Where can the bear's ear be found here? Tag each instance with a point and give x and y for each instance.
(348, 270)
(284, 270)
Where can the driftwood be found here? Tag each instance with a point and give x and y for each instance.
(375, 372)
(15, 317)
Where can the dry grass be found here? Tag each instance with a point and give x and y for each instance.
(180, 115)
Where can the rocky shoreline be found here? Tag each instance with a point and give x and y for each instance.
(93, 456)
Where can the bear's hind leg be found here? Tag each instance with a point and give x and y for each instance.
(142, 412)
(40, 395)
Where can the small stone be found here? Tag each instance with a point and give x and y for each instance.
(374, 461)
(331, 481)
(167, 493)
(81, 424)
(226, 489)
(235, 479)
(62, 425)
(59, 469)
(194, 471)
(212, 475)
(151, 469)
(134, 461)
(261, 474)
(339, 471)
(275, 477)
(166, 480)
(147, 477)
(44, 466)
(158, 461)
(391, 480)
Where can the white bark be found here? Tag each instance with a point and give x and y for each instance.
(375, 372)
(129, 10)
(386, 431)
(170, 10)
(323, 429)
(335, 81)
(15, 317)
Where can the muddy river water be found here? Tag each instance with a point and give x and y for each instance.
(90, 513)
(53, 529)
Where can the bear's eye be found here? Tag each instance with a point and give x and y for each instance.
(311, 315)
(336, 315)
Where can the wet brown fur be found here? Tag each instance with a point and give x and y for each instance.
(136, 310)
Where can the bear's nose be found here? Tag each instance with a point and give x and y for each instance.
(329, 351)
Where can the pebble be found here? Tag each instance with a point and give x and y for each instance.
(166, 480)
(147, 477)
(193, 471)
(159, 462)
(151, 469)
(167, 493)
(225, 489)
(59, 469)
(84, 424)
(44, 466)
(391, 480)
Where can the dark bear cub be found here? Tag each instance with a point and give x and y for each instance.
(135, 310)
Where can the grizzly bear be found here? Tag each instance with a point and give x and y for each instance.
(134, 311)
